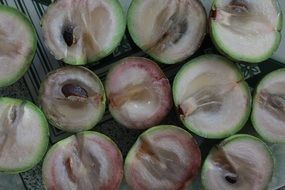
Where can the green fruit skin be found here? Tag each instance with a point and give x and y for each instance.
(45, 134)
(233, 138)
(232, 56)
(245, 86)
(33, 40)
(253, 119)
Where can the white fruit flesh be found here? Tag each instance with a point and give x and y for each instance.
(246, 30)
(212, 98)
(138, 92)
(86, 161)
(23, 135)
(94, 28)
(241, 162)
(17, 47)
(164, 157)
(269, 106)
(77, 108)
(169, 30)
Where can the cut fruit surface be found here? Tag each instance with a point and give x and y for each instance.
(88, 160)
(268, 114)
(163, 158)
(139, 94)
(17, 47)
(24, 135)
(246, 30)
(211, 97)
(241, 162)
(73, 98)
(168, 30)
(83, 31)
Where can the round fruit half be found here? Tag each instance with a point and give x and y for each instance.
(239, 162)
(24, 135)
(211, 97)
(72, 98)
(268, 114)
(18, 45)
(80, 32)
(87, 160)
(163, 158)
(138, 92)
(168, 30)
(246, 30)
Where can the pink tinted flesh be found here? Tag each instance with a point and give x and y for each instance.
(156, 80)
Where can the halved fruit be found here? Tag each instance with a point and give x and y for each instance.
(246, 30)
(87, 160)
(211, 97)
(163, 158)
(18, 45)
(80, 32)
(239, 162)
(168, 30)
(138, 92)
(24, 135)
(268, 114)
(72, 98)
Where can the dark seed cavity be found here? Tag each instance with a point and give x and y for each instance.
(68, 35)
(74, 90)
(232, 179)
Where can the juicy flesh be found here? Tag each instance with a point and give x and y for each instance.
(242, 165)
(247, 28)
(269, 109)
(211, 97)
(15, 45)
(84, 163)
(163, 161)
(79, 29)
(72, 98)
(20, 136)
(170, 29)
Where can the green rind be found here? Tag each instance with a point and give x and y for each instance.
(33, 41)
(243, 84)
(92, 123)
(45, 134)
(130, 25)
(67, 141)
(253, 118)
(120, 18)
(231, 139)
(235, 57)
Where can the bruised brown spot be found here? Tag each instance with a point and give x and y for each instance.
(74, 90)
(213, 14)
